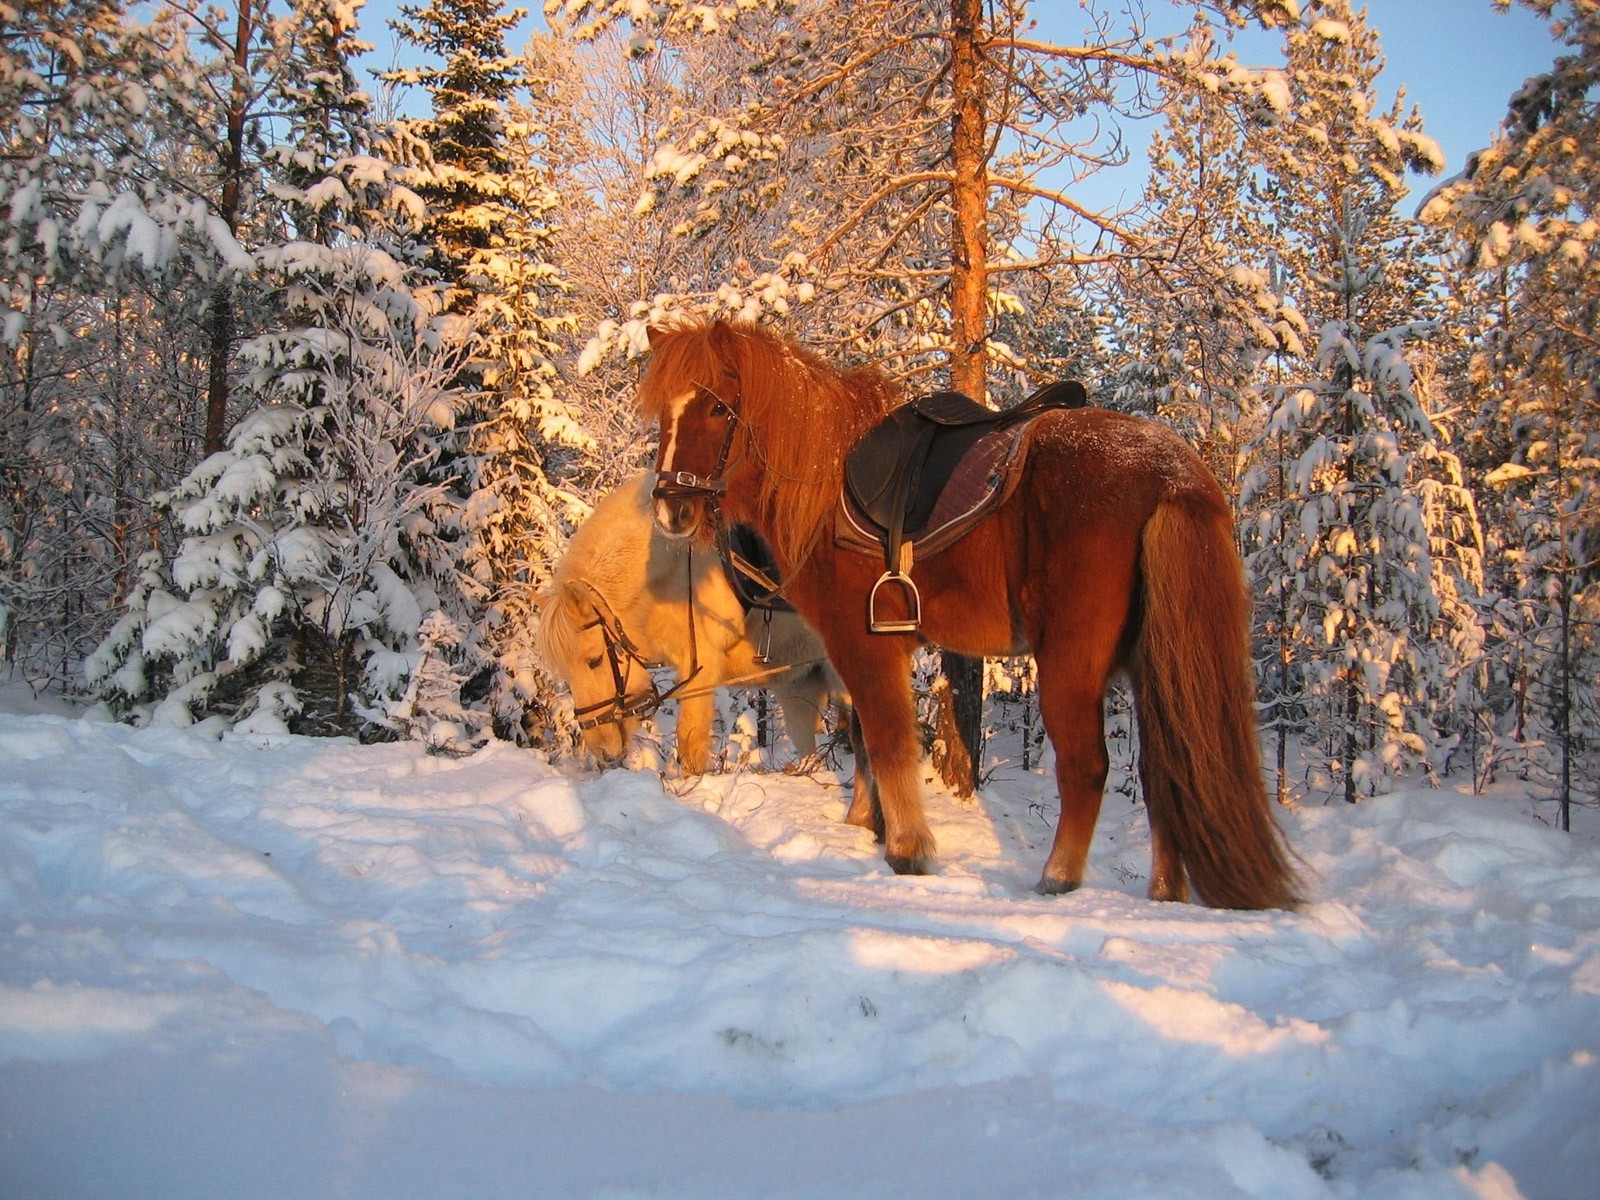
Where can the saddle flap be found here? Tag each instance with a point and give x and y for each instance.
(873, 466)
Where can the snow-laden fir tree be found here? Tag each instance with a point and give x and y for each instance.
(527, 437)
(1351, 486)
(316, 545)
(101, 353)
(492, 204)
(1527, 211)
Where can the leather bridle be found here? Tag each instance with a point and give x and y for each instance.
(686, 485)
(754, 588)
(620, 651)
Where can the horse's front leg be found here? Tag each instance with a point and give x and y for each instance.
(865, 810)
(877, 671)
(800, 694)
(695, 716)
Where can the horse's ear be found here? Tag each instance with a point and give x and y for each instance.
(722, 336)
(653, 334)
(580, 592)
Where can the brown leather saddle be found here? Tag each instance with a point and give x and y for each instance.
(925, 475)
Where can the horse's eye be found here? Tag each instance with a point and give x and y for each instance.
(718, 409)
(594, 663)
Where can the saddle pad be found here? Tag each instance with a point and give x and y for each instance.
(983, 477)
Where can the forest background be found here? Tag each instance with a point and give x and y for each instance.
(304, 387)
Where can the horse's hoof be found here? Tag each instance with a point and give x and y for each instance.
(1165, 891)
(1056, 887)
(901, 864)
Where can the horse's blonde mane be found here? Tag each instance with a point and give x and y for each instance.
(801, 414)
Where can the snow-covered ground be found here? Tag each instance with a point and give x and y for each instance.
(246, 967)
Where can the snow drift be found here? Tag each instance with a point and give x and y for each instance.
(283, 967)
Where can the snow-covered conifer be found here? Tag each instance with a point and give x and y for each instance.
(315, 545)
(1354, 491)
(1527, 212)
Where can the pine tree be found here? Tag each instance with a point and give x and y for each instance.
(1527, 210)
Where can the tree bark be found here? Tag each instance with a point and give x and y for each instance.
(969, 320)
(221, 317)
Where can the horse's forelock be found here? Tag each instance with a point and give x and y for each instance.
(681, 358)
(557, 635)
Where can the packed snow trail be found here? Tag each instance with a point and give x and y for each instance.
(285, 967)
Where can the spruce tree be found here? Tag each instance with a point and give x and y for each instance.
(1348, 459)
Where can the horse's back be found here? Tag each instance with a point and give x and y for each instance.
(1095, 462)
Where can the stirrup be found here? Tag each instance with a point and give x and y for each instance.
(914, 597)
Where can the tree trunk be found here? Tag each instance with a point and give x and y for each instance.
(969, 202)
(969, 318)
(221, 320)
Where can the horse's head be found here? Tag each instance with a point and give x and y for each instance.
(754, 427)
(584, 643)
(692, 390)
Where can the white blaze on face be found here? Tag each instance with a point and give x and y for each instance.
(669, 448)
(669, 429)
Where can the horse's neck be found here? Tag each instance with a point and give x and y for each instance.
(613, 550)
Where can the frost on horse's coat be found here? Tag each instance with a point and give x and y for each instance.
(619, 560)
(1114, 553)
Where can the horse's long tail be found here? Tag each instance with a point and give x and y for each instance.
(1200, 760)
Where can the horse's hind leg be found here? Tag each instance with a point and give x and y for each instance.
(1167, 878)
(1072, 688)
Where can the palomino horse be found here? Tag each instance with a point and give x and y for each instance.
(620, 600)
(1114, 551)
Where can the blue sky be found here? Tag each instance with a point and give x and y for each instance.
(1460, 60)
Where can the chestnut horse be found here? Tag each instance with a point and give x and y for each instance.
(1114, 552)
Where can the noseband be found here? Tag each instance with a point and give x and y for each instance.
(686, 485)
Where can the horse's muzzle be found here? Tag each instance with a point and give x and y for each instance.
(679, 518)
